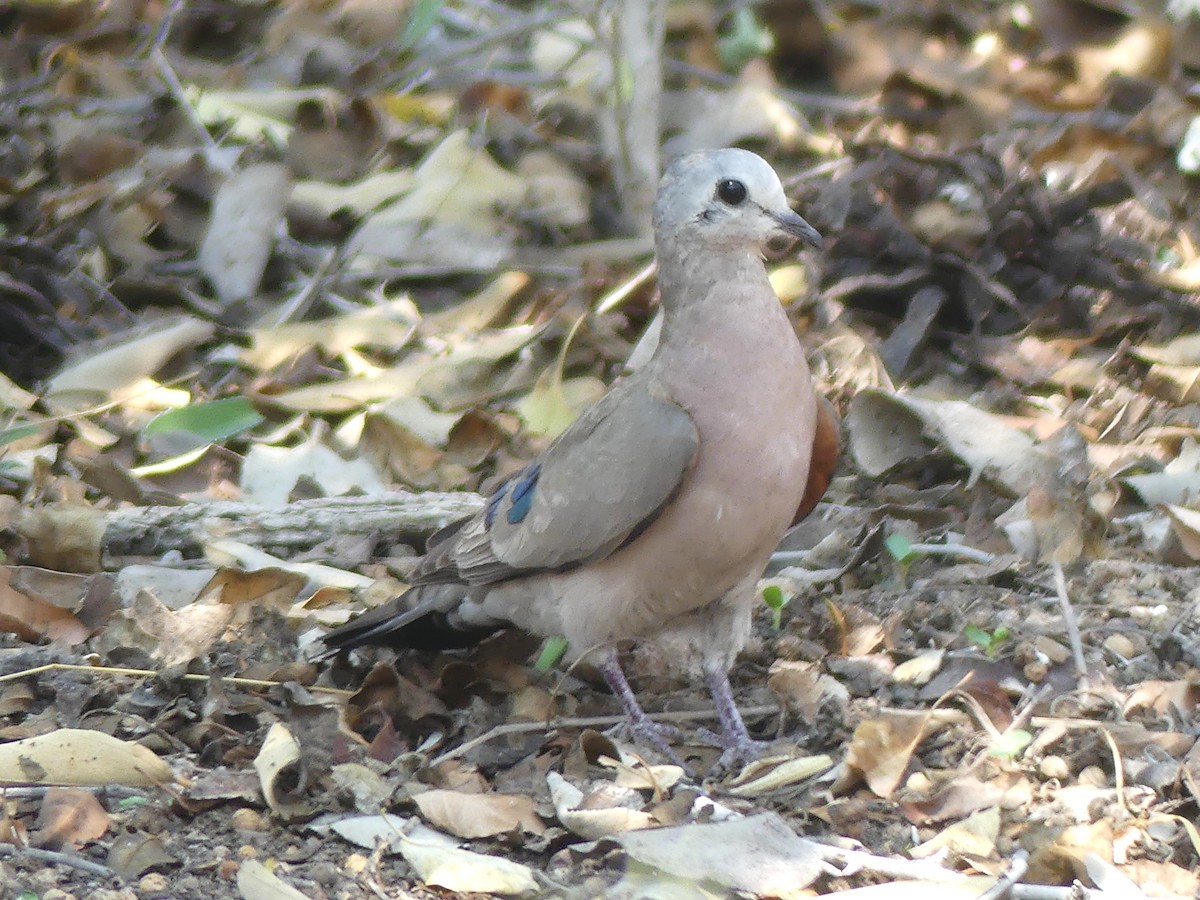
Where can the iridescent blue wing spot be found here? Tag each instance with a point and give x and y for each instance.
(522, 494)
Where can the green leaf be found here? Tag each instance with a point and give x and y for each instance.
(746, 39)
(977, 636)
(422, 18)
(212, 421)
(553, 650)
(900, 549)
(1010, 743)
(8, 435)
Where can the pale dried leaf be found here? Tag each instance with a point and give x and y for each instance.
(79, 756)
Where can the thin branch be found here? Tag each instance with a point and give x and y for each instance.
(1017, 867)
(698, 715)
(56, 858)
(150, 673)
(1072, 624)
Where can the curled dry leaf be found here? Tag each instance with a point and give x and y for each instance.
(975, 836)
(592, 822)
(134, 853)
(773, 773)
(31, 615)
(886, 429)
(881, 749)
(450, 217)
(276, 764)
(388, 325)
(169, 636)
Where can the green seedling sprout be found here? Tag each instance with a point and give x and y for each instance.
(1010, 744)
(774, 598)
(987, 641)
(901, 550)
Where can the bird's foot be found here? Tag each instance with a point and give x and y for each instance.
(641, 727)
(739, 750)
(648, 733)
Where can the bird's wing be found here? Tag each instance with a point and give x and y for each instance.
(597, 486)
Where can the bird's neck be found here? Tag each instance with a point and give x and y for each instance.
(703, 289)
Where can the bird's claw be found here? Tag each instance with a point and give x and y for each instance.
(648, 733)
(735, 752)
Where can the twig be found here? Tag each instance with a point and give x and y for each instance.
(54, 857)
(502, 35)
(853, 861)
(1017, 867)
(150, 673)
(299, 304)
(1118, 769)
(955, 551)
(698, 715)
(1064, 601)
(829, 103)
(419, 273)
(617, 295)
(167, 74)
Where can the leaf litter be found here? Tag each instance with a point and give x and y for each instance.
(264, 269)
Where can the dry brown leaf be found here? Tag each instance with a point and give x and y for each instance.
(78, 756)
(246, 214)
(478, 815)
(31, 616)
(974, 836)
(122, 360)
(69, 817)
(881, 749)
(462, 871)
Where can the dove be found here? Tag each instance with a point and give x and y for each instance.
(651, 518)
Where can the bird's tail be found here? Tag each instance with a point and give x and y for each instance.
(422, 618)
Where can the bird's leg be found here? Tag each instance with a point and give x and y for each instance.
(739, 746)
(640, 725)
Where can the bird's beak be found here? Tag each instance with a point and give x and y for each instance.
(793, 225)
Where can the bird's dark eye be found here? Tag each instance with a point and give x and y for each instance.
(731, 191)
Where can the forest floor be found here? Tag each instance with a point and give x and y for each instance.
(256, 257)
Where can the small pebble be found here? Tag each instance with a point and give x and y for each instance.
(154, 883)
(1054, 767)
(1120, 645)
(1035, 671)
(249, 820)
(919, 783)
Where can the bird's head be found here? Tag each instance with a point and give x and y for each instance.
(727, 198)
